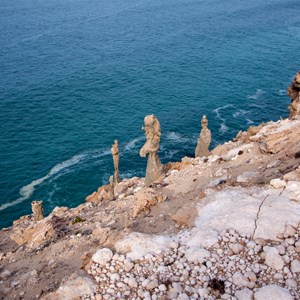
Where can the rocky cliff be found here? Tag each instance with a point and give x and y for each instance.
(222, 227)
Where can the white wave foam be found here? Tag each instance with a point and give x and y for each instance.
(282, 92)
(223, 127)
(256, 95)
(249, 121)
(169, 154)
(238, 113)
(174, 136)
(15, 202)
(132, 144)
(217, 110)
(27, 190)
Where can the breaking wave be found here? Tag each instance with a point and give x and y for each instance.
(256, 95)
(133, 143)
(58, 170)
(223, 127)
(176, 137)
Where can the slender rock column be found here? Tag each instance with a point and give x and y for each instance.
(204, 140)
(116, 158)
(37, 210)
(154, 167)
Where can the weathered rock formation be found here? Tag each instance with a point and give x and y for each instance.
(294, 93)
(37, 210)
(104, 193)
(116, 158)
(145, 199)
(154, 167)
(204, 140)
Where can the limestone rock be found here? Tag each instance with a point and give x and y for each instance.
(244, 136)
(59, 211)
(136, 245)
(278, 183)
(204, 140)
(294, 93)
(146, 198)
(273, 258)
(127, 186)
(235, 151)
(185, 216)
(295, 266)
(195, 254)
(35, 234)
(37, 210)
(293, 176)
(236, 248)
(244, 294)
(76, 286)
(277, 137)
(272, 291)
(240, 280)
(102, 256)
(128, 265)
(116, 158)
(154, 166)
(103, 194)
(101, 234)
(292, 191)
(246, 176)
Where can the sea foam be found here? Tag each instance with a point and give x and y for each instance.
(59, 169)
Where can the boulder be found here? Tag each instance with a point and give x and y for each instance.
(76, 286)
(293, 176)
(244, 294)
(136, 244)
(102, 256)
(277, 183)
(272, 291)
(295, 266)
(195, 255)
(273, 258)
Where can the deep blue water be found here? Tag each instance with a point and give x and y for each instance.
(75, 75)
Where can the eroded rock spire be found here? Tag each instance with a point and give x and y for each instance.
(154, 167)
(294, 93)
(37, 210)
(204, 139)
(116, 158)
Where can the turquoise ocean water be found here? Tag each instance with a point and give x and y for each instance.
(75, 75)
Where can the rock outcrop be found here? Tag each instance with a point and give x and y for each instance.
(154, 167)
(204, 140)
(116, 157)
(294, 93)
(37, 210)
